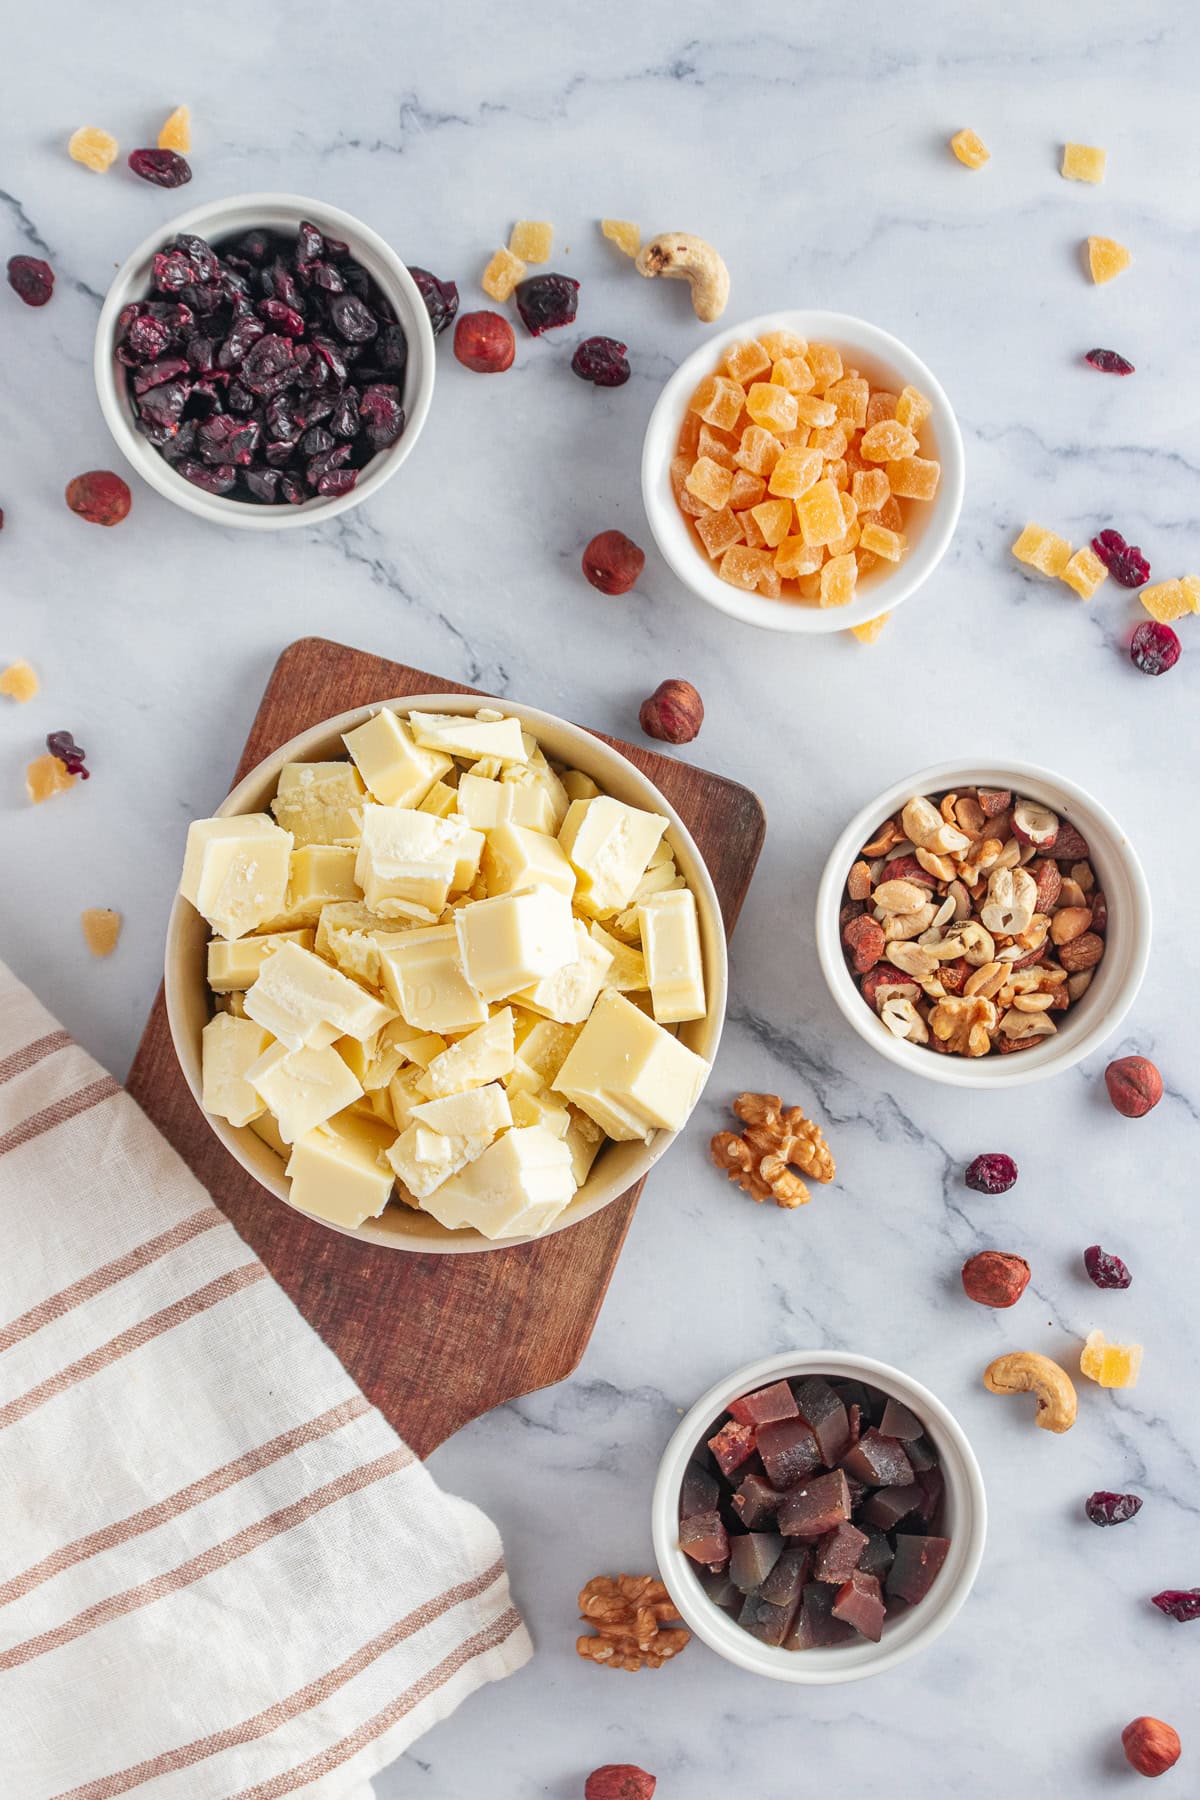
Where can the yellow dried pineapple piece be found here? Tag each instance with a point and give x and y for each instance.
(95, 149)
(624, 234)
(970, 150)
(1084, 572)
(1106, 258)
(746, 360)
(1165, 601)
(1043, 550)
(176, 133)
(46, 776)
(19, 682)
(1112, 1365)
(531, 240)
(1083, 162)
(101, 925)
(881, 542)
(502, 275)
(773, 518)
(871, 628)
(771, 406)
(839, 577)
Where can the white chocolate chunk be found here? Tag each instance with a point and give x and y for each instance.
(570, 993)
(396, 770)
(484, 1055)
(423, 974)
(514, 939)
(350, 935)
(671, 943)
(318, 875)
(443, 1136)
(408, 862)
(628, 1073)
(517, 1187)
(320, 803)
(340, 1173)
(302, 1087)
(627, 970)
(541, 1051)
(490, 735)
(301, 1000)
(609, 845)
(229, 1047)
(235, 871)
(234, 964)
(515, 857)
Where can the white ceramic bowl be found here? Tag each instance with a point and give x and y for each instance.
(1118, 976)
(618, 1166)
(886, 362)
(219, 219)
(964, 1522)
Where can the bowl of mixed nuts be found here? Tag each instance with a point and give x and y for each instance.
(984, 926)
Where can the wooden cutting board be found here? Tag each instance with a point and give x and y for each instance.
(433, 1341)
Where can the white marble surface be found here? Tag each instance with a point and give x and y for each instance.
(810, 147)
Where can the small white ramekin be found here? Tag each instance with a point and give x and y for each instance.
(219, 219)
(964, 1522)
(1118, 976)
(886, 362)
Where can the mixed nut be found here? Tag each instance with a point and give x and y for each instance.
(972, 920)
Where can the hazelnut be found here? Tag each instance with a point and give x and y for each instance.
(1134, 1085)
(619, 1781)
(995, 1277)
(1151, 1747)
(484, 341)
(674, 712)
(613, 563)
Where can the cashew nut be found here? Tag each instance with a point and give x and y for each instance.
(904, 1021)
(903, 897)
(896, 927)
(676, 253)
(929, 831)
(1011, 900)
(912, 960)
(1025, 1372)
(971, 941)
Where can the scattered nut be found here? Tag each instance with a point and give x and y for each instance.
(995, 1278)
(1134, 1086)
(775, 1136)
(619, 1781)
(678, 254)
(1025, 1372)
(485, 342)
(673, 713)
(1151, 1746)
(628, 1613)
(612, 562)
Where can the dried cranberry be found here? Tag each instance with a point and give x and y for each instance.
(1124, 562)
(991, 1173)
(440, 297)
(1179, 1603)
(602, 360)
(352, 319)
(324, 275)
(391, 349)
(100, 497)
(31, 278)
(1154, 648)
(146, 338)
(284, 317)
(154, 374)
(292, 490)
(546, 301)
(172, 271)
(63, 745)
(163, 406)
(255, 246)
(330, 361)
(214, 478)
(1110, 362)
(268, 366)
(227, 439)
(344, 420)
(241, 340)
(1106, 1270)
(165, 168)
(381, 414)
(316, 440)
(309, 244)
(338, 481)
(200, 254)
(262, 484)
(326, 463)
(1103, 1508)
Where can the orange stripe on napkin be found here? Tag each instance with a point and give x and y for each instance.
(69, 1107)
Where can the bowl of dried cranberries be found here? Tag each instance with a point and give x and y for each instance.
(265, 361)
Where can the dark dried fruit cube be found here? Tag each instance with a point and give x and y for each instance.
(752, 1557)
(815, 1507)
(877, 1555)
(100, 497)
(704, 1538)
(769, 1624)
(68, 752)
(932, 1484)
(822, 1410)
(440, 297)
(899, 1422)
(1178, 1603)
(732, 1446)
(31, 278)
(886, 1508)
(1154, 648)
(1104, 1508)
(1106, 1270)
(756, 1501)
(601, 360)
(918, 1560)
(699, 1491)
(878, 1461)
(816, 1627)
(546, 301)
(766, 1406)
(789, 1451)
(165, 168)
(784, 1584)
(860, 1603)
(720, 1588)
(838, 1553)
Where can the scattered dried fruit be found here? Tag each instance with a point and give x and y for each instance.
(532, 240)
(871, 628)
(1111, 1365)
(995, 1278)
(31, 279)
(440, 297)
(1154, 648)
(1151, 1747)
(62, 745)
(100, 497)
(612, 562)
(1110, 362)
(1178, 1603)
(969, 149)
(1043, 550)
(502, 275)
(1134, 1085)
(1084, 162)
(678, 255)
(776, 1137)
(1125, 562)
(624, 234)
(1106, 258)
(485, 342)
(176, 133)
(19, 682)
(1026, 1372)
(991, 1173)
(628, 1613)
(1104, 1508)
(46, 776)
(602, 360)
(1170, 600)
(95, 149)
(164, 168)
(546, 302)
(619, 1781)
(101, 929)
(1106, 1270)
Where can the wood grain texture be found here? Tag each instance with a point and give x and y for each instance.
(433, 1341)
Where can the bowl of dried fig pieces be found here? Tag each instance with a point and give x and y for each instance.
(984, 926)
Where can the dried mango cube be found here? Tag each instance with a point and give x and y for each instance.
(772, 406)
(709, 482)
(794, 558)
(882, 405)
(870, 630)
(774, 518)
(851, 396)
(1191, 587)
(718, 530)
(969, 149)
(502, 275)
(830, 441)
(870, 489)
(746, 360)
(719, 445)
(778, 344)
(1112, 1365)
(681, 468)
(1042, 550)
(891, 513)
(1165, 601)
(795, 472)
(101, 929)
(826, 365)
(809, 586)
(1085, 572)
(838, 579)
(19, 682)
(749, 568)
(46, 776)
(752, 529)
(624, 234)
(851, 530)
(912, 408)
(818, 414)
(759, 450)
(95, 149)
(888, 441)
(719, 401)
(1106, 258)
(914, 477)
(866, 560)
(531, 240)
(747, 490)
(882, 542)
(794, 374)
(839, 474)
(1083, 162)
(819, 514)
(176, 133)
(769, 584)
(689, 434)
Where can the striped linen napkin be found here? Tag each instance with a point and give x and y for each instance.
(222, 1574)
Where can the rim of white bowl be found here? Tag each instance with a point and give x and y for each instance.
(1113, 989)
(919, 1625)
(271, 211)
(883, 356)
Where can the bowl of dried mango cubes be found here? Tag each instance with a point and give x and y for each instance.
(445, 976)
(803, 471)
